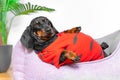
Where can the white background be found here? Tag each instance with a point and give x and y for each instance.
(96, 17)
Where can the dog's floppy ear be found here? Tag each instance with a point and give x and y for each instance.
(55, 30)
(26, 39)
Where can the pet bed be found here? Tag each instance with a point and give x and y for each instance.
(27, 66)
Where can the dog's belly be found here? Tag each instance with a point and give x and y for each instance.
(83, 45)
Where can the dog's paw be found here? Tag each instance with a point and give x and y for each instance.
(104, 45)
(78, 29)
(70, 55)
(73, 30)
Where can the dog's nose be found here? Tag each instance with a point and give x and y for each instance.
(104, 45)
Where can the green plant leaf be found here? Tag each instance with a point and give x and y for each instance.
(24, 9)
(11, 2)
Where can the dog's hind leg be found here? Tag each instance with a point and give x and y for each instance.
(104, 46)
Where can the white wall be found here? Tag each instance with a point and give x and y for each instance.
(96, 17)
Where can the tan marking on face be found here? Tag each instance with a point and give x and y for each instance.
(39, 33)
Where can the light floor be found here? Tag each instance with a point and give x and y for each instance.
(6, 76)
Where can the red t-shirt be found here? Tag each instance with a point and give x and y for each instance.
(83, 45)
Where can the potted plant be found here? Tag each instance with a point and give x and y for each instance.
(17, 8)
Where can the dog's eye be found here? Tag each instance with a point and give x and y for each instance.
(43, 20)
(49, 23)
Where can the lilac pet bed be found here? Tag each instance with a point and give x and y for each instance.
(27, 66)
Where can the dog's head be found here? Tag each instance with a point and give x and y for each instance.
(40, 30)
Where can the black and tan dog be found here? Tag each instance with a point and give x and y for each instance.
(40, 34)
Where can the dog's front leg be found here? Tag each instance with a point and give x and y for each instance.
(66, 54)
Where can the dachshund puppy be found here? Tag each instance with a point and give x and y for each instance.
(60, 48)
